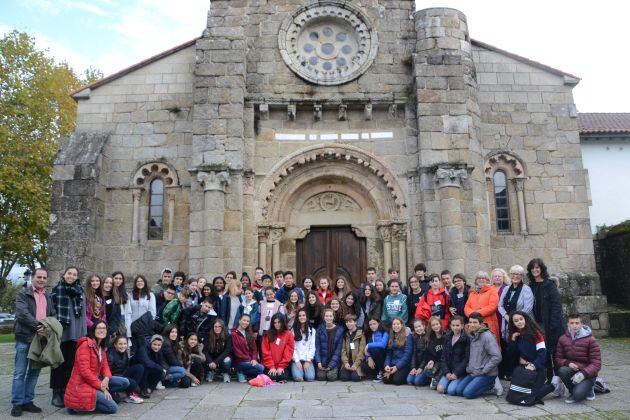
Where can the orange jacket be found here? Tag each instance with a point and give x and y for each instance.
(278, 354)
(486, 302)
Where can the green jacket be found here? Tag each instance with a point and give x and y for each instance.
(46, 351)
(171, 312)
(393, 306)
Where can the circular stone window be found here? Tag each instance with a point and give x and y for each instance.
(328, 43)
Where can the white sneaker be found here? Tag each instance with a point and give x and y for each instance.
(559, 388)
(226, 378)
(193, 384)
(210, 376)
(498, 388)
(133, 398)
(591, 396)
(159, 386)
(241, 377)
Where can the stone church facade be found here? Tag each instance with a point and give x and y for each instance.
(324, 137)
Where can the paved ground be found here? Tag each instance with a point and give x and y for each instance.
(365, 400)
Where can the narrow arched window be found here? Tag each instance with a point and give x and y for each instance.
(501, 201)
(156, 210)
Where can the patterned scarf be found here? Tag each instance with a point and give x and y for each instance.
(67, 297)
(510, 300)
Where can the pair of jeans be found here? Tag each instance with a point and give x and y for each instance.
(419, 379)
(450, 387)
(249, 370)
(578, 391)
(105, 406)
(346, 375)
(300, 375)
(24, 376)
(173, 375)
(223, 366)
(474, 386)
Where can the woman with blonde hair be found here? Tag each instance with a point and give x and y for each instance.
(500, 281)
(233, 304)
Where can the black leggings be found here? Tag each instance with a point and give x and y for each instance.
(197, 368)
(284, 376)
(60, 376)
(398, 378)
(378, 355)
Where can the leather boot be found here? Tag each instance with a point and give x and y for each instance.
(57, 398)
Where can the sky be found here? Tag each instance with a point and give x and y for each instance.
(580, 37)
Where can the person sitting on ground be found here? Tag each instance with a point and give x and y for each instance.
(218, 351)
(277, 349)
(150, 356)
(527, 345)
(579, 360)
(399, 351)
(244, 350)
(484, 359)
(376, 348)
(118, 360)
(455, 356)
(190, 354)
(328, 342)
(352, 352)
(431, 365)
(417, 357)
(174, 369)
(302, 367)
(91, 383)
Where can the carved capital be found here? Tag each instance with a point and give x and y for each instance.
(399, 232)
(450, 177)
(263, 233)
(368, 112)
(276, 234)
(343, 112)
(519, 184)
(393, 112)
(386, 232)
(170, 194)
(136, 194)
(214, 180)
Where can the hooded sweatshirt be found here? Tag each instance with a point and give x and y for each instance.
(435, 304)
(485, 355)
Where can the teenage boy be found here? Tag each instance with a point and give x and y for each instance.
(278, 277)
(289, 285)
(370, 279)
(352, 351)
(394, 304)
(413, 298)
(32, 304)
(257, 282)
(266, 281)
(447, 280)
(420, 271)
(179, 277)
(199, 319)
(483, 362)
(158, 288)
(435, 302)
(579, 359)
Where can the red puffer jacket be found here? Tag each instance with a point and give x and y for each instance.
(434, 304)
(278, 353)
(583, 350)
(86, 376)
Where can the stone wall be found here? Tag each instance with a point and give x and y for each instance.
(613, 254)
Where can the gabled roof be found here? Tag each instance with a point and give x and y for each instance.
(604, 122)
(136, 66)
(187, 44)
(525, 60)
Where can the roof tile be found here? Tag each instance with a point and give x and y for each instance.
(604, 122)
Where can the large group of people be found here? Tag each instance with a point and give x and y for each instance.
(109, 342)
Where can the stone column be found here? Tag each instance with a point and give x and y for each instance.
(385, 230)
(400, 234)
(214, 183)
(136, 193)
(170, 194)
(519, 186)
(448, 184)
(276, 234)
(263, 236)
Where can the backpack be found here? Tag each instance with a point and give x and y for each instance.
(521, 391)
(600, 386)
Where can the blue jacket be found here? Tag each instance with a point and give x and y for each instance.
(378, 341)
(400, 357)
(283, 294)
(148, 358)
(322, 353)
(535, 353)
(225, 308)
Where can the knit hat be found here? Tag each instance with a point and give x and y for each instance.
(156, 337)
(164, 270)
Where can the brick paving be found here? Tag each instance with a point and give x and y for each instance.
(365, 400)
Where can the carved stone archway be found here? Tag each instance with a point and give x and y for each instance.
(331, 185)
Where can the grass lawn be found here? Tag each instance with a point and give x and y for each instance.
(7, 338)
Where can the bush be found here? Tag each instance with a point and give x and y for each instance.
(7, 297)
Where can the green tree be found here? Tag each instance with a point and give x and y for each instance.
(35, 110)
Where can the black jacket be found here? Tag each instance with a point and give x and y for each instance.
(25, 324)
(455, 358)
(113, 313)
(418, 351)
(424, 284)
(118, 362)
(433, 351)
(459, 304)
(193, 321)
(144, 326)
(218, 356)
(148, 358)
(169, 355)
(548, 311)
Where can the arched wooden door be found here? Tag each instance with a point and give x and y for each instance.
(332, 251)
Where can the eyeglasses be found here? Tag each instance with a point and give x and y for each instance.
(515, 274)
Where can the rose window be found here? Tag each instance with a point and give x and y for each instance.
(328, 44)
